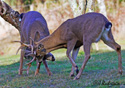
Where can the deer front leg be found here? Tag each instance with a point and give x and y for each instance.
(87, 47)
(28, 68)
(74, 56)
(70, 47)
(21, 62)
(46, 66)
(38, 67)
(29, 64)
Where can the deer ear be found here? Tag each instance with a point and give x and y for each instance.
(21, 15)
(16, 14)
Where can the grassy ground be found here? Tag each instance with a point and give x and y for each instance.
(101, 72)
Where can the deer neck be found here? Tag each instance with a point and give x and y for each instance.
(52, 41)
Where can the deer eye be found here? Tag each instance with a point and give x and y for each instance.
(39, 47)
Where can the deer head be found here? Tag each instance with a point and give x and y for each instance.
(33, 50)
(40, 50)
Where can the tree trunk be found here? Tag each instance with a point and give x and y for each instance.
(102, 7)
(31, 7)
(77, 8)
(89, 5)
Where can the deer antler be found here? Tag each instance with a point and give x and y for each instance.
(19, 49)
(32, 43)
(29, 64)
(31, 54)
(24, 45)
(31, 60)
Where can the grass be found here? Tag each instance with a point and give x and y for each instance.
(101, 72)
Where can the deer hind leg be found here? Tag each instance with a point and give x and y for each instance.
(87, 46)
(74, 56)
(70, 47)
(21, 62)
(111, 43)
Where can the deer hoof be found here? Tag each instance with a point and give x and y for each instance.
(36, 72)
(77, 71)
(49, 74)
(76, 78)
(20, 72)
(71, 75)
(120, 72)
(27, 72)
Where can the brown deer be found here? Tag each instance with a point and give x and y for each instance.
(82, 30)
(30, 25)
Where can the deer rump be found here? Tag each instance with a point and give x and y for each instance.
(34, 26)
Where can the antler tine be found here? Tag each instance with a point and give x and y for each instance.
(32, 39)
(27, 51)
(30, 54)
(27, 45)
(18, 41)
(31, 61)
(32, 44)
(31, 48)
(19, 49)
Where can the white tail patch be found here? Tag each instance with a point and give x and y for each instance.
(105, 33)
(109, 27)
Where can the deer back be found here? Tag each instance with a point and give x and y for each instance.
(33, 22)
(87, 26)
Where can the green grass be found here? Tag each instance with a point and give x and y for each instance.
(100, 72)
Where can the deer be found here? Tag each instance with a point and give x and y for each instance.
(31, 25)
(73, 33)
